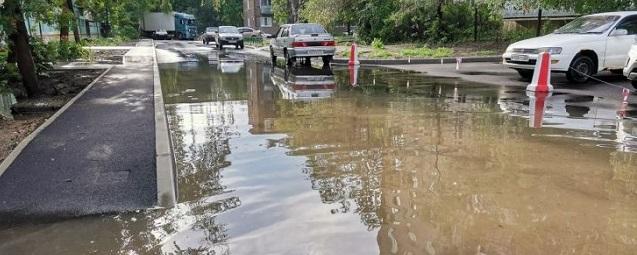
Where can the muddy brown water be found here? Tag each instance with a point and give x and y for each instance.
(298, 161)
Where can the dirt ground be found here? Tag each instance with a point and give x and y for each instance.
(34, 111)
(13, 131)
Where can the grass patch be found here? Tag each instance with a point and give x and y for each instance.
(380, 53)
(486, 53)
(427, 52)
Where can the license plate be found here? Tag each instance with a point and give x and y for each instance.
(232, 41)
(315, 52)
(523, 58)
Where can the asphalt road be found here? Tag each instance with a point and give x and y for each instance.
(97, 157)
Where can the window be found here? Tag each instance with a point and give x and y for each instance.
(266, 21)
(285, 32)
(306, 29)
(630, 24)
(266, 2)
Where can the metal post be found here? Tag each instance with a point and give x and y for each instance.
(539, 22)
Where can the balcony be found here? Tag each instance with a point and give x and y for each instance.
(266, 9)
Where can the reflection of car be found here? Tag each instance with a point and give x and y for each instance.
(161, 34)
(302, 41)
(304, 83)
(249, 32)
(229, 35)
(230, 66)
(209, 35)
(580, 48)
(630, 70)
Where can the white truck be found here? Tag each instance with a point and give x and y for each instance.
(581, 48)
(178, 25)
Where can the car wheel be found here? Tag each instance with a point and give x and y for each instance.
(525, 74)
(327, 60)
(580, 69)
(236, 46)
(273, 57)
(241, 46)
(634, 83)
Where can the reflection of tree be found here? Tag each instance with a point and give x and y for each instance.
(436, 169)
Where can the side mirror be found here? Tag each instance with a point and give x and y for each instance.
(619, 32)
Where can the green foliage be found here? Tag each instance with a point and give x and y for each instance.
(44, 55)
(380, 53)
(377, 43)
(8, 72)
(110, 41)
(427, 52)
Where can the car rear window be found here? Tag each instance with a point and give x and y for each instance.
(228, 30)
(211, 29)
(307, 29)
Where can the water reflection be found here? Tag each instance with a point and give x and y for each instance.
(400, 164)
(304, 83)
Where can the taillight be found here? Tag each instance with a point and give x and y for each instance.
(328, 43)
(299, 44)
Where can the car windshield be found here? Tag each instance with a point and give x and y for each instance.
(229, 30)
(307, 29)
(211, 29)
(588, 24)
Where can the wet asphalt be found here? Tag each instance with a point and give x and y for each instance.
(97, 157)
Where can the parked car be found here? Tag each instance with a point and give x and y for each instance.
(229, 35)
(209, 35)
(161, 34)
(305, 40)
(249, 32)
(581, 48)
(630, 71)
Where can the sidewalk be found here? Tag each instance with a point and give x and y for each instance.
(98, 156)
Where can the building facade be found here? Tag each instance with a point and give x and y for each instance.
(258, 14)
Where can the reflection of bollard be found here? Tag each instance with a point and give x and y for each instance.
(353, 75)
(353, 55)
(537, 107)
(622, 107)
(542, 74)
(458, 63)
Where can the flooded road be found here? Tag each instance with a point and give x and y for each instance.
(299, 161)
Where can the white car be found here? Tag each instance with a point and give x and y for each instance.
(630, 71)
(581, 48)
(303, 40)
(229, 35)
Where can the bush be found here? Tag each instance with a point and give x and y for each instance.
(8, 72)
(67, 51)
(378, 44)
(44, 55)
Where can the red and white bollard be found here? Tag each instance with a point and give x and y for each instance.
(353, 56)
(537, 107)
(353, 75)
(622, 107)
(542, 74)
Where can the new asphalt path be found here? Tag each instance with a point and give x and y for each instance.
(97, 157)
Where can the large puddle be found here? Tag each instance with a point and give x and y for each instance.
(299, 161)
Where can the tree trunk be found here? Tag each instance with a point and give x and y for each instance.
(76, 32)
(20, 47)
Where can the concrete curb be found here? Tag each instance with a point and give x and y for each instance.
(417, 61)
(164, 160)
(23, 144)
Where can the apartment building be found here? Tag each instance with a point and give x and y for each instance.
(258, 15)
